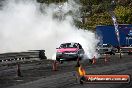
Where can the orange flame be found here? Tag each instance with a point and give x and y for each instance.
(81, 71)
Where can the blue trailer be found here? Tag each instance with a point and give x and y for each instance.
(107, 35)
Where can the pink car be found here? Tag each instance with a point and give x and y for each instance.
(69, 52)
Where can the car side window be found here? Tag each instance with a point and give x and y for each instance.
(80, 47)
(75, 46)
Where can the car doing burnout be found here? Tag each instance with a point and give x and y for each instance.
(69, 52)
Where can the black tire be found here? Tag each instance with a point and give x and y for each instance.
(113, 53)
(90, 61)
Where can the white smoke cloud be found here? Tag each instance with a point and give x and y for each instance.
(24, 26)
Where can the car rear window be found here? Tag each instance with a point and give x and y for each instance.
(68, 45)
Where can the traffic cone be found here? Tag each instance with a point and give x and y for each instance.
(54, 65)
(78, 63)
(94, 60)
(18, 70)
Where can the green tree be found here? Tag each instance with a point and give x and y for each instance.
(124, 14)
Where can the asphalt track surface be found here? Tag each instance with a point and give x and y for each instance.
(40, 74)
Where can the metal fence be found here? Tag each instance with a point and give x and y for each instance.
(40, 54)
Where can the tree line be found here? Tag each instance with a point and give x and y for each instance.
(96, 12)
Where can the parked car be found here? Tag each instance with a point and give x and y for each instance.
(106, 49)
(69, 52)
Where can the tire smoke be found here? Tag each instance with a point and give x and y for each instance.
(28, 25)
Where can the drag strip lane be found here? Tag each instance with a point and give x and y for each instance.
(67, 80)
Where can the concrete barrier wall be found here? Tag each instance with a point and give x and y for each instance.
(30, 55)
